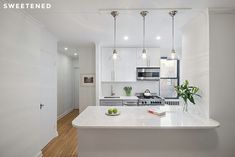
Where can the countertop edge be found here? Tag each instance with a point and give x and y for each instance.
(173, 127)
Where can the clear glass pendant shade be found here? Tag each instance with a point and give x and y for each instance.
(144, 54)
(115, 54)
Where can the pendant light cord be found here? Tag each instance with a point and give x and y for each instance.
(173, 33)
(115, 31)
(143, 32)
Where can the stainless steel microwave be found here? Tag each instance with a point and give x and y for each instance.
(148, 73)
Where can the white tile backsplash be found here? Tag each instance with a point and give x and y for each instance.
(137, 87)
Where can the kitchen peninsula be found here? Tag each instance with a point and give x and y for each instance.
(137, 133)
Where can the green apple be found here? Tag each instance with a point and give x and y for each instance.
(110, 111)
(115, 110)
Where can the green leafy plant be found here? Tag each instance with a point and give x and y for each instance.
(127, 90)
(187, 93)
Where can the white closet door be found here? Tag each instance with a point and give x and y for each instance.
(48, 90)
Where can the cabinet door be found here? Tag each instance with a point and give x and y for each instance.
(141, 62)
(153, 56)
(152, 60)
(110, 102)
(107, 73)
(125, 65)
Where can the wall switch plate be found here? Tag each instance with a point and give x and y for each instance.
(169, 83)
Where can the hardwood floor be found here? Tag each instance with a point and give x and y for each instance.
(65, 145)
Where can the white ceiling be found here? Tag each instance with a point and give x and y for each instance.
(80, 22)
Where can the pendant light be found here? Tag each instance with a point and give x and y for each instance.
(173, 55)
(115, 54)
(144, 52)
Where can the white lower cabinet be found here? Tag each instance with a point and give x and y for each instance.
(110, 102)
(122, 102)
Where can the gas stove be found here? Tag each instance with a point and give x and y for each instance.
(152, 100)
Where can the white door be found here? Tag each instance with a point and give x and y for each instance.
(48, 97)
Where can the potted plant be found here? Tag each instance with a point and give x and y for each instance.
(187, 93)
(128, 90)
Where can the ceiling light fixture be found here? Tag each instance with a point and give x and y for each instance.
(144, 52)
(125, 37)
(173, 55)
(115, 54)
(65, 48)
(158, 37)
(75, 54)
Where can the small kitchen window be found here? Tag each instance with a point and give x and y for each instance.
(169, 77)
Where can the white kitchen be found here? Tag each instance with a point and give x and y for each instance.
(117, 78)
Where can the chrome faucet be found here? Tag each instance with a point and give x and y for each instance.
(112, 91)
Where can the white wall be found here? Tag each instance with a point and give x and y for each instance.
(222, 74)
(86, 66)
(195, 58)
(98, 90)
(65, 84)
(21, 43)
(76, 82)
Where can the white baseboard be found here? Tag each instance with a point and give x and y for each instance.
(76, 108)
(56, 134)
(39, 154)
(65, 113)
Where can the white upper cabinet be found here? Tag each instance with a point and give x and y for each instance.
(141, 62)
(152, 60)
(125, 65)
(107, 73)
(123, 69)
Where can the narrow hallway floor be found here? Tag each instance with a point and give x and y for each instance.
(65, 145)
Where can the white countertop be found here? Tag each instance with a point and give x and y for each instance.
(138, 118)
(120, 98)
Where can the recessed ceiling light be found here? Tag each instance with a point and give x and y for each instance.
(158, 37)
(75, 54)
(65, 48)
(125, 37)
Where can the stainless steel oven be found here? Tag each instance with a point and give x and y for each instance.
(148, 73)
